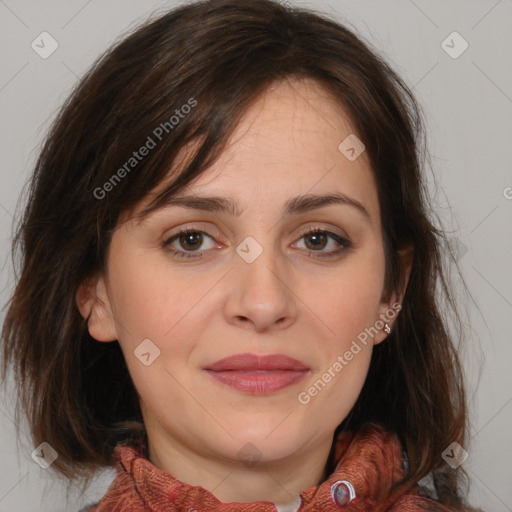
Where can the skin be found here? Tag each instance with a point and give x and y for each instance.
(289, 301)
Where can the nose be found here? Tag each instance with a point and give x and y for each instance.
(261, 295)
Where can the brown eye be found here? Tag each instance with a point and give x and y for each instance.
(316, 240)
(191, 240)
(187, 243)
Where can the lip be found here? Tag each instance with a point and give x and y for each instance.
(258, 374)
(255, 362)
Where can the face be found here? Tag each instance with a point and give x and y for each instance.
(253, 283)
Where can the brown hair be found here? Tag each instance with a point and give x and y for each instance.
(220, 54)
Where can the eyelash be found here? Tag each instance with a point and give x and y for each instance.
(343, 242)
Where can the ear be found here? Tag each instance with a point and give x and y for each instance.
(390, 305)
(94, 305)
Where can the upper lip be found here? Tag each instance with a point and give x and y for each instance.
(250, 362)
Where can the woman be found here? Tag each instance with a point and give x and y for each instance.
(229, 272)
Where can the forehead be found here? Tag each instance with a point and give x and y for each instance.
(286, 144)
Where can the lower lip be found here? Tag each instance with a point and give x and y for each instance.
(259, 383)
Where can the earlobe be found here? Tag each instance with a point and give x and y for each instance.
(94, 305)
(389, 309)
(385, 323)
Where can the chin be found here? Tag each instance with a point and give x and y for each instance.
(266, 443)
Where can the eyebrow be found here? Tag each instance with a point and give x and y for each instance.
(294, 206)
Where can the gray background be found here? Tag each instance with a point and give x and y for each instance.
(468, 102)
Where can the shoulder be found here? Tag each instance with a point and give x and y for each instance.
(419, 503)
(89, 508)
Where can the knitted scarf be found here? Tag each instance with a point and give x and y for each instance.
(371, 460)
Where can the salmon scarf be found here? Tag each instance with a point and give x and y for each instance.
(369, 464)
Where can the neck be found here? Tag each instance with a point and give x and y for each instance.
(278, 481)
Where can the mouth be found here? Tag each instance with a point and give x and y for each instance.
(258, 374)
(257, 362)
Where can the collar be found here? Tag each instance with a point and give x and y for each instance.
(369, 467)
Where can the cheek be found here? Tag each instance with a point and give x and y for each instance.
(165, 307)
(153, 301)
(349, 310)
(172, 310)
(348, 306)
(350, 299)
(340, 385)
